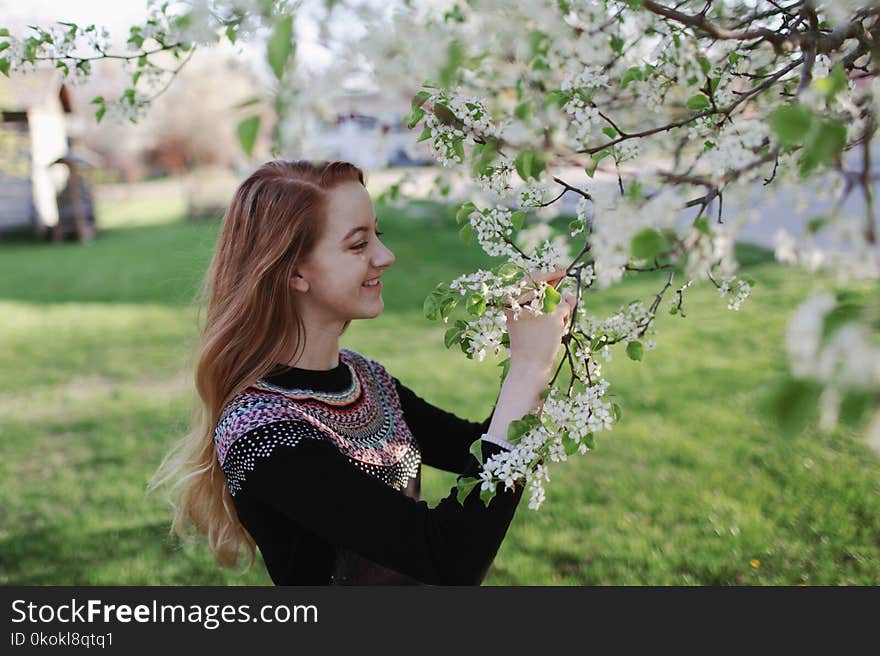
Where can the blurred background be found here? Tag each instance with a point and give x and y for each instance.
(106, 230)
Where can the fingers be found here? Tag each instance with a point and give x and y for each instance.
(568, 299)
(552, 277)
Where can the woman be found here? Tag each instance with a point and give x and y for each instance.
(313, 452)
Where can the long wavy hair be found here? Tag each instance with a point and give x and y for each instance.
(274, 220)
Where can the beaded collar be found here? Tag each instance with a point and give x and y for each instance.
(316, 380)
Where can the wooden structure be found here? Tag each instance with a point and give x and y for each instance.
(41, 184)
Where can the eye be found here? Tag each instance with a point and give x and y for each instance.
(363, 244)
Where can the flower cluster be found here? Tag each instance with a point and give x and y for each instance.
(446, 141)
(492, 227)
(567, 425)
(547, 256)
(485, 334)
(626, 325)
(737, 296)
(585, 120)
(497, 177)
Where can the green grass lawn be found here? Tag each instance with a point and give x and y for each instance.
(694, 486)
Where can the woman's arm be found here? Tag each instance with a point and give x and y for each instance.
(295, 469)
(443, 437)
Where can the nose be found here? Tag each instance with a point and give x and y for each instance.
(385, 258)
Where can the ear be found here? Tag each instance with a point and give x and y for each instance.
(299, 283)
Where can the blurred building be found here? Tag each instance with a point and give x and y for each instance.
(370, 131)
(40, 181)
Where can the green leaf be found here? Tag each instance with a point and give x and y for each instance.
(417, 114)
(476, 304)
(632, 73)
(833, 84)
(4, 46)
(523, 110)
(454, 57)
(551, 299)
(823, 146)
(705, 66)
(610, 132)
(616, 411)
(426, 134)
(458, 146)
(280, 45)
(230, 33)
(100, 113)
(465, 211)
(698, 102)
(509, 271)
(464, 486)
(4, 31)
(505, 368)
(466, 233)
(476, 449)
(791, 124)
(648, 244)
(4, 66)
(517, 429)
(602, 154)
(539, 42)
(635, 350)
(569, 445)
(815, 224)
(452, 336)
(247, 133)
(546, 392)
(518, 218)
(487, 495)
(447, 305)
(701, 223)
(557, 97)
(420, 98)
(524, 164)
(529, 164)
(539, 63)
(616, 43)
(431, 308)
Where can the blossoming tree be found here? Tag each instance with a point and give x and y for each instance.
(688, 107)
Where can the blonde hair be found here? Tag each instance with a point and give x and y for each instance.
(272, 224)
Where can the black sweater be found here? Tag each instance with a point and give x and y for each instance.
(324, 470)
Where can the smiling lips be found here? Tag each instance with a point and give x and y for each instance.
(374, 283)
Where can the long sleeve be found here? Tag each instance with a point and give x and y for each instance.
(444, 438)
(312, 483)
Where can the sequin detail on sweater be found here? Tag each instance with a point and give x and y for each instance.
(365, 423)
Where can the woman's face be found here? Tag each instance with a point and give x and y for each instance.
(348, 255)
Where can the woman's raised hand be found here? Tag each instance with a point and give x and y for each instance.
(535, 340)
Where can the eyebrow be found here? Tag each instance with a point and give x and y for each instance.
(354, 231)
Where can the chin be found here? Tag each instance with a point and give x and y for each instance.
(381, 306)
